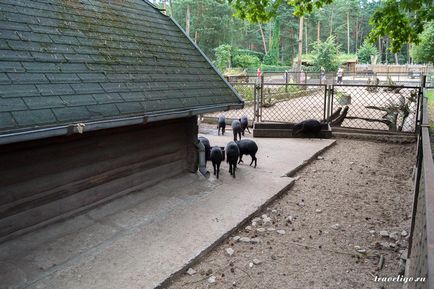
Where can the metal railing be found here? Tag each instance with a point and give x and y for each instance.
(306, 77)
(421, 245)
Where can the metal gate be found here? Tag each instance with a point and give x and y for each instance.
(392, 108)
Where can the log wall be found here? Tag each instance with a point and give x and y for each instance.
(47, 180)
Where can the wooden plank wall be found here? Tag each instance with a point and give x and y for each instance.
(43, 181)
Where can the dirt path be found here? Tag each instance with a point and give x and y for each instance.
(339, 202)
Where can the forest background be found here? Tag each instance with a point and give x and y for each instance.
(329, 36)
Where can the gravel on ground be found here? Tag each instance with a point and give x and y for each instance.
(345, 221)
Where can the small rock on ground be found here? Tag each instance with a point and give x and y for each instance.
(336, 226)
(211, 279)
(244, 239)
(191, 271)
(229, 251)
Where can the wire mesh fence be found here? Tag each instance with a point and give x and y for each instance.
(392, 108)
(247, 92)
(292, 102)
(375, 107)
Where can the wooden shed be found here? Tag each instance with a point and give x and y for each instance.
(97, 99)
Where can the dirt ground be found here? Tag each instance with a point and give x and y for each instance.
(332, 218)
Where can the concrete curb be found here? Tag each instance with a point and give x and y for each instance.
(243, 222)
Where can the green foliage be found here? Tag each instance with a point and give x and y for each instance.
(365, 51)
(272, 57)
(270, 68)
(325, 54)
(212, 23)
(262, 11)
(257, 54)
(424, 51)
(223, 57)
(245, 91)
(245, 61)
(402, 21)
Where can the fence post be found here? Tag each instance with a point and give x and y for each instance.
(286, 81)
(332, 95)
(255, 104)
(325, 103)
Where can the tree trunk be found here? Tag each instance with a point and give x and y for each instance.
(291, 37)
(187, 20)
(318, 31)
(300, 42)
(331, 23)
(348, 32)
(396, 58)
(380, 52)
(270, 36)
(196, 37)
(357, 36)
(165, 7)
(305, 38)
(410, 60)
(386, 45)
(263, 38)
(171, 8)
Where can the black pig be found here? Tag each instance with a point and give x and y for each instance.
(232, 155)
(236, 129)
(221, 124)
(216, 159)
(307, 127)
(247, 147)
(244, 124)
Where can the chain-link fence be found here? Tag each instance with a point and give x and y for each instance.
(376, 107)
(248, 93)
(292, 102)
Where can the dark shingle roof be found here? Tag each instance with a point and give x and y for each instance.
(65, 62)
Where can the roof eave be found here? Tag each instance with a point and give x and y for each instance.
(88, 126)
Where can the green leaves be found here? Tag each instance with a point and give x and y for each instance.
(223, 57)
(257, 11)
(402, 21)
(261, 11)
(365, 52)
(424, 51)
(325, 54)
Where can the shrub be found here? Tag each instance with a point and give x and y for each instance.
(260, 55)
(223, 57)
(245, 61)
(365, 52)
(325, 54)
